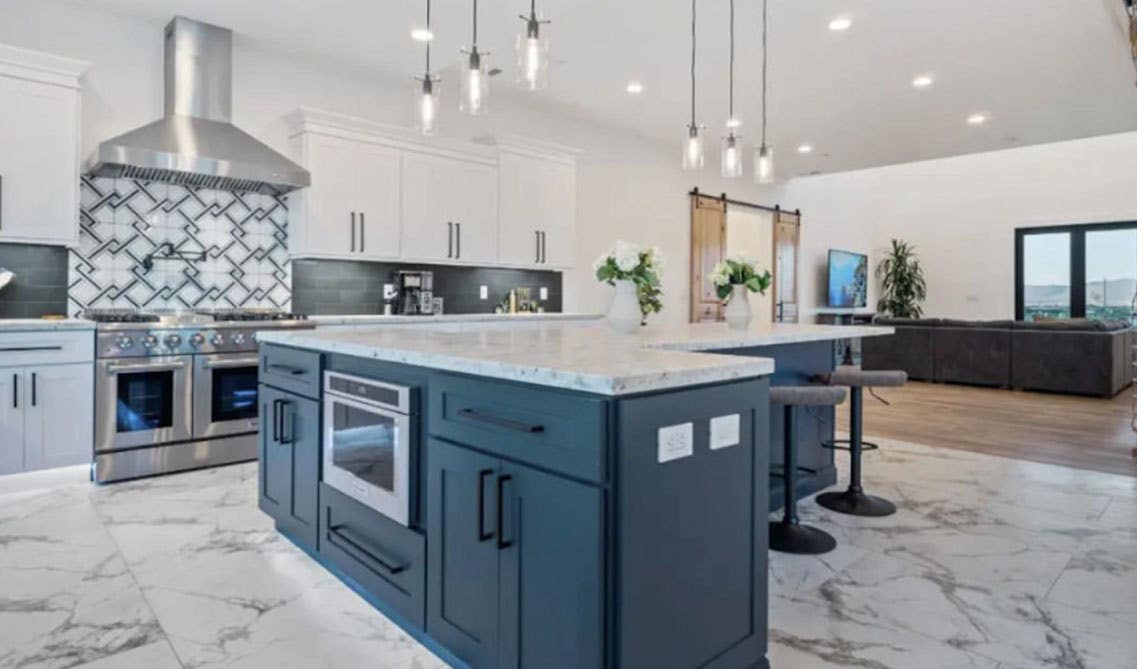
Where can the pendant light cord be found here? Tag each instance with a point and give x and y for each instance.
(692, 63)
(764, 59)
(731, 118)
(430, 40)
(475, 24)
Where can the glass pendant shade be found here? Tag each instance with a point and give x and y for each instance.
(731, 157)
(764, 165)
(475, 84)
(426, 98)
(532, 56)
(693, 156)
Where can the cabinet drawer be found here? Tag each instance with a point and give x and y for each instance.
(553, 430)
(46, 348)
(291, 369)
(385, 558)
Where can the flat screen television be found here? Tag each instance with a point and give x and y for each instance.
(848, 279)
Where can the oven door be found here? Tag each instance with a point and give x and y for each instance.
(367, 454)
(225, 394)
(142, 401)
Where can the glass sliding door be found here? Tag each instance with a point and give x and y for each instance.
(1110, 272)
(1045, 279)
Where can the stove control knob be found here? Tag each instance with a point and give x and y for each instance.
(124, 342)
(239, 338)
(197, 339)
(218, 339)
(173, 341)
(150, 341)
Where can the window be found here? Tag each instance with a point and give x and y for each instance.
(1076, 271)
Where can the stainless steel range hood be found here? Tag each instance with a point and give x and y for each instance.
(195, 144)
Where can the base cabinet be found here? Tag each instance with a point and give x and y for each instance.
(515, 562)
(46, 417)
(290, 463)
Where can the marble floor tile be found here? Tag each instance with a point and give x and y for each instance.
(989, 563)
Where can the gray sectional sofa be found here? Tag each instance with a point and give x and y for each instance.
(1077, 356)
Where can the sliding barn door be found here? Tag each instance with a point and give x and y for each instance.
(708, 247)
(787, 239)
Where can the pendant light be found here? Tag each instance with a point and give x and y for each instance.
(426, 91)
(532, 52)
(731, 147)
(693, 144)
(764, 155)
(475, 83)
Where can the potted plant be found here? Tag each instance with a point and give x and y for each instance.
(733, 279)
(634, 272)
(902, 282)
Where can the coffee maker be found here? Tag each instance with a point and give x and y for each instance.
(416, 293)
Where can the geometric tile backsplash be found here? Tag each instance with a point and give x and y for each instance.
(244, 237)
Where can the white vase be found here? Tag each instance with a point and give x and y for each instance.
(737, 311)
(624, 314)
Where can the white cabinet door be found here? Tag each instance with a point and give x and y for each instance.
(449, 209)
(39, 162)
(11, 420)
(558, 221)
(327, 225)
(58, 403)
(538, 211)
(376, 196)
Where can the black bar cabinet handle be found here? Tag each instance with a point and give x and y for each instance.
(502, 544)
(508, 424)
(285, 423)
(347, 541)
(449, 239)
(362, 235)
(537, 234)
(33, 388)
(353, 232)
(22, 349)
(15, 391)
(458, 240)
(288, 369)
(276, 421)
(482, 534)
(544, 247)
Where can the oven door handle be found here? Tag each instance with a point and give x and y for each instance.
(236, 362)
(349, 542)
(113, 368)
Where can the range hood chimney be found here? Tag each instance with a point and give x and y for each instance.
(195, 143)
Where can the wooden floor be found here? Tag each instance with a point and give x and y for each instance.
(1087, 433)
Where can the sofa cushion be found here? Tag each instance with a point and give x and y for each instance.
(994, 325)
(911, 322)
(1073, 325)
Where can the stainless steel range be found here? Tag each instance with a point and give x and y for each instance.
(176, 391)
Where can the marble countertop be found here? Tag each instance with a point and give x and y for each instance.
(380, 319)
(37, 324)
(584, 356)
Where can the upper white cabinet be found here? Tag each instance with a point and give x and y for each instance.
(39, 147)
(381, 192)
(537, 198)
(449, 209)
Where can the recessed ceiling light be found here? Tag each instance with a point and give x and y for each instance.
(922, 81)
(421, 35)
(805, 148)
(840, 23)
(634, 88)
(977, 119)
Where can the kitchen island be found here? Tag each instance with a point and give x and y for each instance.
(565, 497)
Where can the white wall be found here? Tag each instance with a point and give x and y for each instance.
(628, 187)
(961, 214)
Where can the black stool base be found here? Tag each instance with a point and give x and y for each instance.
(799, 539)
(856, 503)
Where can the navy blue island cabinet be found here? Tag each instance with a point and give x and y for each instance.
(549, 528)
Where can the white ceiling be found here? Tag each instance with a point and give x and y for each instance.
(1043, 70)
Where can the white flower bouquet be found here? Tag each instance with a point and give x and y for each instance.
(640, 265)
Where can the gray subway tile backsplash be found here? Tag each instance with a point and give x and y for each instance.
(352, 287)
(40, 284)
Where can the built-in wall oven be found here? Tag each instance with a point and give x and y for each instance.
(142, 401)
(225, 394)
(368, 437)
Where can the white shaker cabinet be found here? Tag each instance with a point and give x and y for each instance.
(39, 147)
(537, 193)
(449, 209)
(46, 399)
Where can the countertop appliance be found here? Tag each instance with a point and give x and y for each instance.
(368, 436)
(416, 292)
(176, 390)
(195, 143)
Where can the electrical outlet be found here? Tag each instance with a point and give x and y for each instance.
(484, 293)
(675, 442)
(544, 293)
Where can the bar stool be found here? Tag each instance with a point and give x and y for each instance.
(788, 535)
(854, 501)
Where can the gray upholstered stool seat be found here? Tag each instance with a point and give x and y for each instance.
(854, 501)
(788, 535)
(868, 378)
